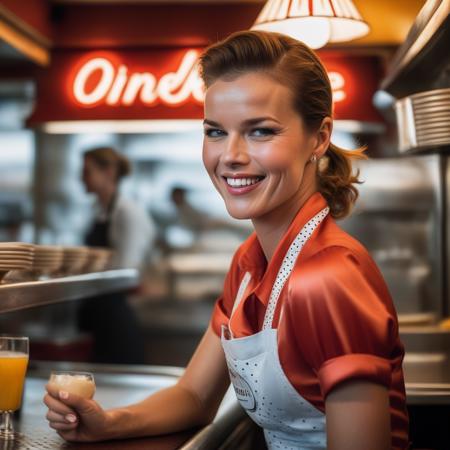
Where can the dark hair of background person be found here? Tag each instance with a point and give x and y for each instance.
(295, 65)
(106, 157)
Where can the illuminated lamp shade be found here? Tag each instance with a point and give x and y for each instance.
(314, 22)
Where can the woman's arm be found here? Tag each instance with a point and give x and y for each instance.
(358, 417)
(193, 401)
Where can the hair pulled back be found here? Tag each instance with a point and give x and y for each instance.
(295, 65)
(107, 157)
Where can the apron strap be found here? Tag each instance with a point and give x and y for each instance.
(239, 297)
(288, 264)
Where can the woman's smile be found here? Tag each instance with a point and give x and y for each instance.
(241, 184)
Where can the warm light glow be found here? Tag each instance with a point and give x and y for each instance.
(313, 22)
(116, 86)
(122, 126)
(313, 31)
(337, 82)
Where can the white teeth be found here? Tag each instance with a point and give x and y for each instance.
(238, 182)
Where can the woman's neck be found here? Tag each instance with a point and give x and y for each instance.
(106, 197)
(271, 227)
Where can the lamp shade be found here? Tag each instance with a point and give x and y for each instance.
(315, 22)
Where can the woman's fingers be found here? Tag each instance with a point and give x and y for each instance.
(57, 406)
(59, 426)
(53, 416)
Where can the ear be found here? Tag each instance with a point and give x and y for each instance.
(323, 136)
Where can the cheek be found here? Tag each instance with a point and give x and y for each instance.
(209, 157)
(280, 158)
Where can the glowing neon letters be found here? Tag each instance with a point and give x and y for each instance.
(116, 86)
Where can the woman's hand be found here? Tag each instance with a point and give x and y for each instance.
(75, 418)
(191, 402)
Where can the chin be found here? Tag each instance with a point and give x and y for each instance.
(240, 213)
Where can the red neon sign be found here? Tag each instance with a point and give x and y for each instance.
(115, 86)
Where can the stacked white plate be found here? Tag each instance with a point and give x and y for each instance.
(15, 256)
(74, 259)
(98, 259)
(48, 259)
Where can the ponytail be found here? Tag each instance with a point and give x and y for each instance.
(336, 179)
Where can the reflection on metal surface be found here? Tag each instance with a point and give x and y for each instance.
(25, 295)
(398, 219)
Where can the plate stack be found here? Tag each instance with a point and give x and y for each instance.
(47, 259)
(15, 256)
(74, 259)
(98, 259)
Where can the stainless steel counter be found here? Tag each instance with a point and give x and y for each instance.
(18, 296)
(118, 386)
(427, 365)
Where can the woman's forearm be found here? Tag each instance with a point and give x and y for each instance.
(167, 411)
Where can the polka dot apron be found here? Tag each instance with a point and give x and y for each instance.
(263, 390)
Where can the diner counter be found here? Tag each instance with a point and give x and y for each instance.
(118, 386)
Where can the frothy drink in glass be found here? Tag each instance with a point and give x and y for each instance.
(79, 383)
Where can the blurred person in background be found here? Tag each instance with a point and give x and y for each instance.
(127, 230)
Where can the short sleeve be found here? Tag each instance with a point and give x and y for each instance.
(340, 315)
(224, 304)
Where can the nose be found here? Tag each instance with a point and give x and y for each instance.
(236, 151)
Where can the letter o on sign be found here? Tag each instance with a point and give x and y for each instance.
(102, 87)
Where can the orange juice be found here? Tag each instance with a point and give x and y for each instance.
(13, 366)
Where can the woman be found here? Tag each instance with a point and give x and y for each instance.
(120, 224)
(305, 328)
(126, 229)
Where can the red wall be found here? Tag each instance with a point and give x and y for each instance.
(139, 25)
(35, 13)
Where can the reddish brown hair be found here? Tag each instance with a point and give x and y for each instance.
(295, 65)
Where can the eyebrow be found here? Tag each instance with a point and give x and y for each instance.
(247, 122)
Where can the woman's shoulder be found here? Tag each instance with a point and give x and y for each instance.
(332, 243)
(335, 258)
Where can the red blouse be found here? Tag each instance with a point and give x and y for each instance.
(338, 320)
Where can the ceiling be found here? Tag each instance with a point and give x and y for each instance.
(389, 20)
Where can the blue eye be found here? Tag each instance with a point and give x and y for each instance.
(214, 132)
(263, 132)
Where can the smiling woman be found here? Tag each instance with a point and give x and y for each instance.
(321, 355)
(305, 328)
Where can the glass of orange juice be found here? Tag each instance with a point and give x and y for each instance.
(74, 382)
(13, 366)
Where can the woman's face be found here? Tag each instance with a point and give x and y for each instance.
(94, 177)
(255, 146)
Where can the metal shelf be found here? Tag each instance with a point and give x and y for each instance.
(421, 62)
(25, 295)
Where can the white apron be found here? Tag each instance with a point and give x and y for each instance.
(289, 421)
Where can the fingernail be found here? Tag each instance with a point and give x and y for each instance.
(71, 418)
(63, 394)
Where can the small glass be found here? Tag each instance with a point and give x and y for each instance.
(74, 382)
(13, 367)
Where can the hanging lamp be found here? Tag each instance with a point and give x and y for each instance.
(315, 22)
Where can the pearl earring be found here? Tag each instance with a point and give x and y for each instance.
(313, 158)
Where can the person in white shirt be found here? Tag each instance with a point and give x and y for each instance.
(127, 229)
